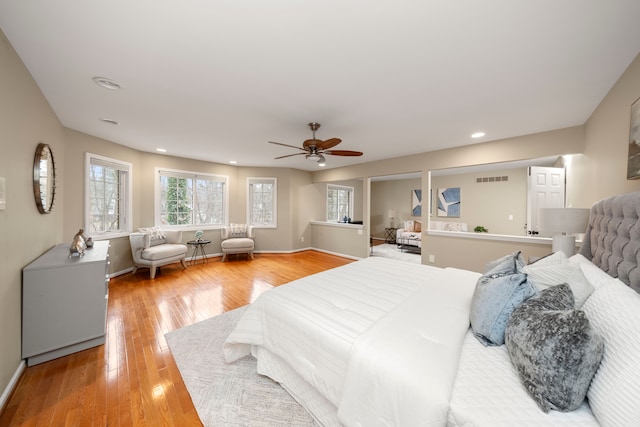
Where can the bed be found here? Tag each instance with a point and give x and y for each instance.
(383, 342)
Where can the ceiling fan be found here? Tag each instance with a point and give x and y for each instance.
(315, 149)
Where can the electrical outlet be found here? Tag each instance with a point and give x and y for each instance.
(432, 258)
(359, 232)
(302, 239)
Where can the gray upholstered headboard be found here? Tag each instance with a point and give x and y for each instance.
(612, 239)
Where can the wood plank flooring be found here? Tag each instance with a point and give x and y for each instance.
(132, 380)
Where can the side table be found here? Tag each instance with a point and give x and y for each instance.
(198, 248)
(390, 235)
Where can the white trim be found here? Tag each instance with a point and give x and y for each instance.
(12, 384)
(274, 181)
(128, 220)
(337, 224)
(487, 236)
(188, 175)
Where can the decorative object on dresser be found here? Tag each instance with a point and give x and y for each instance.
(78, 244)
(153, 247)
(563, 223)
(237, 239)
(64, 302)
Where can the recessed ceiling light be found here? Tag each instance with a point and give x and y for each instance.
(110, 121)
(477, 135)
(233, 162)
(106, 83)
(161, 150)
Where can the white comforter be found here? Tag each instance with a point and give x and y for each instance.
(379, 339)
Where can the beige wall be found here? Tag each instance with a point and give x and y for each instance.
(602, 172)
(25, 120)
(393, 194)
(488, 204)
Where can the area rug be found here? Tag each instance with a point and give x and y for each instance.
(229, 394)
(391, 251)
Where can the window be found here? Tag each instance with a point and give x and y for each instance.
(190, 199)
(107, 196)
(262, 202)
(339, 202)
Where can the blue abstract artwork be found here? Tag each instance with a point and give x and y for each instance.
(449, 202)
(416, 202)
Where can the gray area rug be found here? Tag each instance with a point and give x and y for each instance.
(229, 394)
(388, 250)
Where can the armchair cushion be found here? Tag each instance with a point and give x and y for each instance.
(237, 239)
(153, 247)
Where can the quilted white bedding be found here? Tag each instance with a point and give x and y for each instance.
(337, 329)
(382, 342)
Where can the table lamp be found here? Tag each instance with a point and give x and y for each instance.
(392, 215)
(562, 224)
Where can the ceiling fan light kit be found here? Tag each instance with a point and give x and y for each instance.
(315, 149)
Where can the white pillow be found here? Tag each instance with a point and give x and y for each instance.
(408, 225)
(614, 312)
(156, 232)
(597, 277)
(549, 272)
(555, 258)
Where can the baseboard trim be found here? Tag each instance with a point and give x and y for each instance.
(12, 384)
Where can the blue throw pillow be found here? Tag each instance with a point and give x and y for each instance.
(498, 292)
(494, 299)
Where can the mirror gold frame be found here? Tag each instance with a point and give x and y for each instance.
(44, 178)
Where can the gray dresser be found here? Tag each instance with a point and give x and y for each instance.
(64, 302)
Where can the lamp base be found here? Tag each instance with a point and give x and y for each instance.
(566, 244)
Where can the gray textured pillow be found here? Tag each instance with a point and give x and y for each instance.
(554, 349)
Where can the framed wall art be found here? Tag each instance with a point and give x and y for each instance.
(633, 161)
(449, 202)
(416, 202)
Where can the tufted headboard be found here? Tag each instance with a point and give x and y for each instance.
(612, 239)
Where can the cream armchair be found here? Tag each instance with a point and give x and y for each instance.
(152, 248)
(237, 239)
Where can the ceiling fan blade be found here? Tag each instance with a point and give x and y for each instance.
(287, 145)
(343, 153)
(289, 155)
(325, 145)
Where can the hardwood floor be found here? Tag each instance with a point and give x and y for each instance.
(132, 380)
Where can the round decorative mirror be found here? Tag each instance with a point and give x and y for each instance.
(44, 178)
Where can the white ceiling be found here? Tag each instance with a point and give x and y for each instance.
(215, 80)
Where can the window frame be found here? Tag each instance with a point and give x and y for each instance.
(274, 214)
(351, 190)
(126, 187)
(157, 219)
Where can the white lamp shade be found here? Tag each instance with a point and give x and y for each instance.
(392, 213)
(564, 220)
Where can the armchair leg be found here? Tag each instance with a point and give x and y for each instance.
(184, 265)
(152, 271)
(224, 255)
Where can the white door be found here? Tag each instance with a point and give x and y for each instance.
(546, 190)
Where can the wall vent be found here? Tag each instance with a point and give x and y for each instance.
(491, 179)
